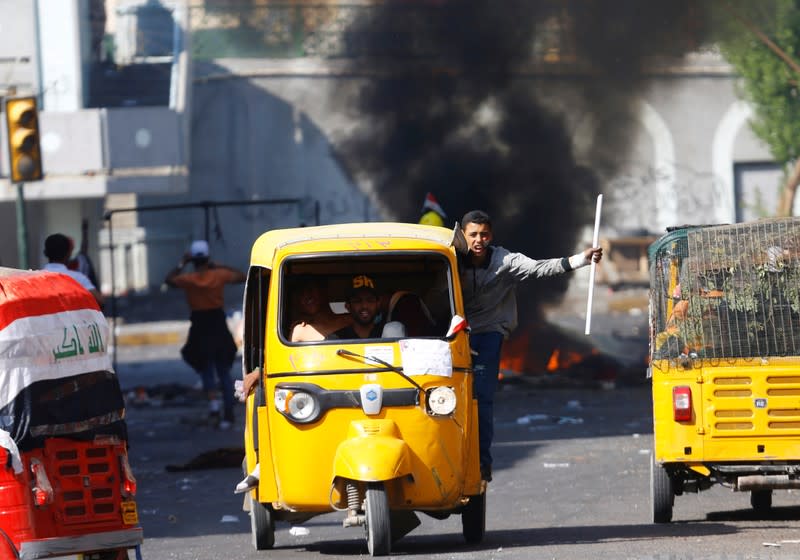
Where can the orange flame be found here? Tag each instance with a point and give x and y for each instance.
(514, 355)
(569, 359)
(527, 352)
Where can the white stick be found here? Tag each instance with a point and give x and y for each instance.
(595, 243)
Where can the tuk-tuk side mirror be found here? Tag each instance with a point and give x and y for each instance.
(457, 324)
(459, 241)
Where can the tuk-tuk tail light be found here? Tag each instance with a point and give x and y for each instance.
(43, 490)
(128, 480)
(682, 403)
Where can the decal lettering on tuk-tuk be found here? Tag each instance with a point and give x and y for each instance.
(365, 245)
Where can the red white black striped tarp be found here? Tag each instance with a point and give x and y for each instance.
(56, 373)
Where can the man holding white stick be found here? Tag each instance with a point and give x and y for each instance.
(489, 277)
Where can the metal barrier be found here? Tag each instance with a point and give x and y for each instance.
(207, 207)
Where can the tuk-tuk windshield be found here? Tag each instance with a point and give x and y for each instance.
(727, 291)
(398, 295)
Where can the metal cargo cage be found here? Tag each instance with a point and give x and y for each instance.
(726, 292)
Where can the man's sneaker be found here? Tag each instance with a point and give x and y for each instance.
(214, 414)
(248, 483)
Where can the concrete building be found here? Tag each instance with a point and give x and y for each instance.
(146, 103)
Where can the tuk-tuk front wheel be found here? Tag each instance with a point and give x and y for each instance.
(473, 519)
(662, 492)
(378, 525)
(262, 525)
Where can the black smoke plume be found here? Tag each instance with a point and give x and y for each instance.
(477, 102)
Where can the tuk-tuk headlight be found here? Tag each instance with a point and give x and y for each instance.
(297, 405)
(441, 401)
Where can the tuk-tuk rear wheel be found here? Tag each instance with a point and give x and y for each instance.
(761, 500)
(378, 524)
(473, 519)
(262, 525)
(662, 493)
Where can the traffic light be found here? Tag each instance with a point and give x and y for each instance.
(24, 153)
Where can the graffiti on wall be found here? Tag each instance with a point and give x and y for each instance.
(637, 195)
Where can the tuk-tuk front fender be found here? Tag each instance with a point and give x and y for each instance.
(372, 452)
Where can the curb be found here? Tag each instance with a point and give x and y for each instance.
(156, 333)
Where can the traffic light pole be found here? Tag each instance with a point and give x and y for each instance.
(22, 229)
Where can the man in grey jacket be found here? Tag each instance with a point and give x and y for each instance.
(489, 277)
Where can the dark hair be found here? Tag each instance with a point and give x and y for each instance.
(200, 261)
(476, 217)
(306, 281)
(57, 247)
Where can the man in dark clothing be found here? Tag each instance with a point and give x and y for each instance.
(489, 277)
(209, 348)
(362, 303)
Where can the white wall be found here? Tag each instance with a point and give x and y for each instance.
(60, 51)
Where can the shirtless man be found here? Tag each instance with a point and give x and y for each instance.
(318, 320)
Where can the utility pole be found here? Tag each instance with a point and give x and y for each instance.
(22, 228)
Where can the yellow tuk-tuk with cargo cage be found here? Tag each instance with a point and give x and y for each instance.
(377, 428)
(725, 360)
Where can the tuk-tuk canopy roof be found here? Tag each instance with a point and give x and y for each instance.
(418, 236)
(679, 232)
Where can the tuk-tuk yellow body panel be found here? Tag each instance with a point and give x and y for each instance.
(675, 441)
(745, 410)
(373, 451)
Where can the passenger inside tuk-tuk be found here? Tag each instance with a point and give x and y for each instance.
(412, 316)
(316, 318)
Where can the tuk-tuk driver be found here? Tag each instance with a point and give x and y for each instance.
(489, 277)
(362, 303)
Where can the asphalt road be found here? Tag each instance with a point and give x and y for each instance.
(571, 481)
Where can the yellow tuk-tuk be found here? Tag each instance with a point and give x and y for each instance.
(725, 360)
(377, 428)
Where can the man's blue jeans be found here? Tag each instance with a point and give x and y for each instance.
(217, 375)
(485, 365)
